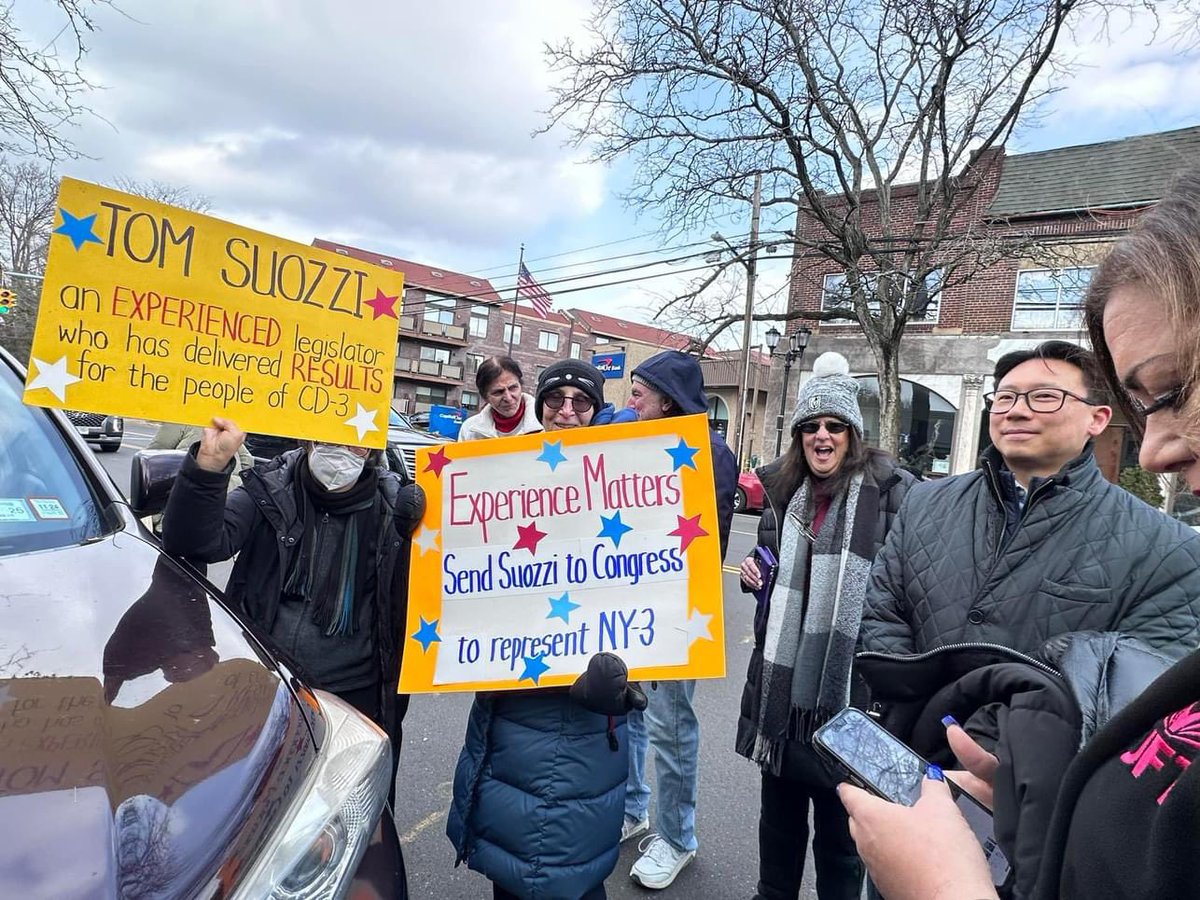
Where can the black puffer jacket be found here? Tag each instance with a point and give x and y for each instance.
(1031, 714)
(893, 483)
(1086, 555)
(261, 523)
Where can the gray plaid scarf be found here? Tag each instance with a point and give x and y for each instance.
(809, 646)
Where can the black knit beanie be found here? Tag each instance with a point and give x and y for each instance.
(570, 373)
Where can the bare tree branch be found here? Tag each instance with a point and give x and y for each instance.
(870, 121)
(42, 88)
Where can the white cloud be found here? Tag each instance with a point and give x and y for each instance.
(402, 124)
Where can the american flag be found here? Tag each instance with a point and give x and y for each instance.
(534, 293)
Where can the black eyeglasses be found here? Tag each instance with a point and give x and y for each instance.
(1041, 400)
(814, 427)
(1173, 399)
(581, 403)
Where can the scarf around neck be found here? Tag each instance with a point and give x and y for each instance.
(815, 615)
(336, 551)
(508, 424)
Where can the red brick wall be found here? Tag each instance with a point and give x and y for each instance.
(984, 303)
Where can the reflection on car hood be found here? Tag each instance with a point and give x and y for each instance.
(145, 748)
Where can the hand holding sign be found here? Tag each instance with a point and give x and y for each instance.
(219, 444)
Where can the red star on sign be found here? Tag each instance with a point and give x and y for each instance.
(688, 531)
(529, 537)
(437, 461)
(383, 305)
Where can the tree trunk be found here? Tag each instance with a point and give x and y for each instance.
(889, 398)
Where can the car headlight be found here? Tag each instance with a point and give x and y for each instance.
(316, 849)
(118, 424)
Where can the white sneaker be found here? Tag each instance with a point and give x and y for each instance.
(659, 864)
(633, 827)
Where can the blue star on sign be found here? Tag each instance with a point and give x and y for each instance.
(535, 668)
(614, 528)
(552, 454)
(78, 230)
(683, 455)
(561, 607)
(427, 634)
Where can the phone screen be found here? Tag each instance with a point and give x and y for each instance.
(887, 766)
(880, 761)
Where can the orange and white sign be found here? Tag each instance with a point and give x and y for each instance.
(538, 551)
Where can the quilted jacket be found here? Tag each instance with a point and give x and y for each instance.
(1086, 555)
(539, 793)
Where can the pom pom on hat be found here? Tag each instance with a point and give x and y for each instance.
(830, 392)
(830, 363)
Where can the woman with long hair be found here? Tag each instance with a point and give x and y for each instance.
(1127, 819)
(830, 503)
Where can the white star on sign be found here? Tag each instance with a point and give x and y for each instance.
(697, 627)
(363, 421)
(54, 377)
(426, 539)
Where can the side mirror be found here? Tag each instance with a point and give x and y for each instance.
(151, 477)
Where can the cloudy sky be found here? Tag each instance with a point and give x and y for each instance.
(406, 127)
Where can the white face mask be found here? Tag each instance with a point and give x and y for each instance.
(334, 467)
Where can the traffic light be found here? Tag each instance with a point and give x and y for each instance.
(8, 299)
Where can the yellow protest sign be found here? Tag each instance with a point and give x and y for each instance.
(538, 551)
(157, 312)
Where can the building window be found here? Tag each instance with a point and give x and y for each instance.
(548, 341)
(927, 304)
(479, 321)
(512, 333)
(432, 393)
(576, 350)
(1050, 299)
(599, 339)
(926, 424)
(439, 309)
(470, 399)
(474, 361)
(435, 354)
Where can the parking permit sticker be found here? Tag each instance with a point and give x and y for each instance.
(15, 510)
(48, 508)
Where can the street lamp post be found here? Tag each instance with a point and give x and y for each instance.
(797, 342)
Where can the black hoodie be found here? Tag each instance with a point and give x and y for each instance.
(677, 375)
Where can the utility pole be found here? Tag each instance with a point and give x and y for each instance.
(751, 272)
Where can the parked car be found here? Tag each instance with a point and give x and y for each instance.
(749, 494)
(151, 744)
(96, 428)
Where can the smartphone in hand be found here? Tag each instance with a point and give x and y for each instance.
(768, 566)
(877, 761)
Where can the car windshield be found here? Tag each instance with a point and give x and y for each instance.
(45, 500)
(395, 420)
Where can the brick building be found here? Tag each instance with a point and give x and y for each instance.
(451, 322)
(1066, 205)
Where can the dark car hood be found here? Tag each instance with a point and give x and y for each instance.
(145, 746)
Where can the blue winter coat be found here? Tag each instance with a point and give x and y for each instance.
(539, 794)
(677, 375)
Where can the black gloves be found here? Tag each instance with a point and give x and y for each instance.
(605, 689)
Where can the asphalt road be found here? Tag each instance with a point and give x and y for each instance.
(725, 867)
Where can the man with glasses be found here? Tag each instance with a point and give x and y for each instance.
(671, 384)
(1035, 543)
